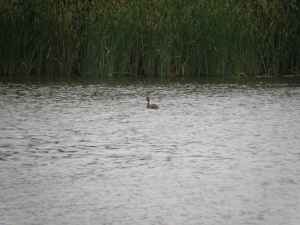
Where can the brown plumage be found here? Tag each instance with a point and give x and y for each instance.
(151, 106)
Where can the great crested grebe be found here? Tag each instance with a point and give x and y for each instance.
(151, 106)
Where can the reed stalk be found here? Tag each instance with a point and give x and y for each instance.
(166, 39)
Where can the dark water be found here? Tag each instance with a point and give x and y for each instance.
(212, 154)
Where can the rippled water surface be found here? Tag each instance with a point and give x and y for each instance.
(212, 154)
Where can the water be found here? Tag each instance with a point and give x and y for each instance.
(212, 154)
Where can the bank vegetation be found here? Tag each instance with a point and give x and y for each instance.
(53, 40)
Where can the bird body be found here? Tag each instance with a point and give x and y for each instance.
(151, 106)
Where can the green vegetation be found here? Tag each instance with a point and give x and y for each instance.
(53, 40)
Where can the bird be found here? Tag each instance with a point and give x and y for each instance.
(151, 106)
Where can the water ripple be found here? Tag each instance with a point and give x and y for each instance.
(93, 154)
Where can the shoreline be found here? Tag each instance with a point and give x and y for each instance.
(289, 79)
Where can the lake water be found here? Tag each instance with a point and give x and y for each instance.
(93, 154)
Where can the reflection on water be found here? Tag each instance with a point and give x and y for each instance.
(212, 154)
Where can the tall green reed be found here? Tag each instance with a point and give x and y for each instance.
(165, 39)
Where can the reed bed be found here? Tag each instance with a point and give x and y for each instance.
(57, 40)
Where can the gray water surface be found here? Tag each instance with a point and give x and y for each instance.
(211, 155)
